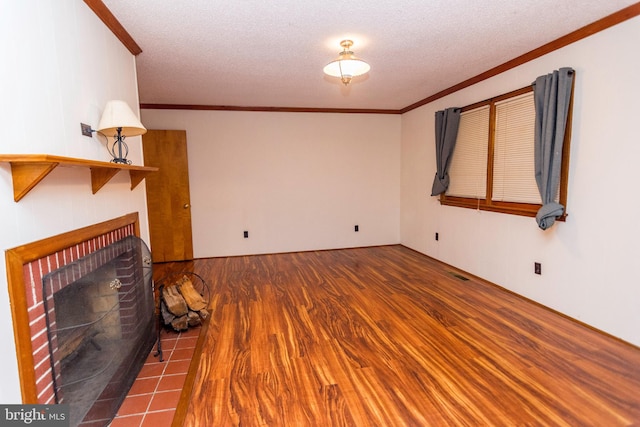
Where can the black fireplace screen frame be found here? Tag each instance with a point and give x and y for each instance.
(101, 326)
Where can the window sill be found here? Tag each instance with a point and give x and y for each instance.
(521, 209)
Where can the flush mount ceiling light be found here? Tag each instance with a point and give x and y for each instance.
(346, 66)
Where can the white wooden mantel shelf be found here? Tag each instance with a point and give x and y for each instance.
(27, 170)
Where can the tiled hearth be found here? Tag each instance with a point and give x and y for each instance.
(154, 396)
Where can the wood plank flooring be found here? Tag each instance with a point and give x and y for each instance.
(385, 336)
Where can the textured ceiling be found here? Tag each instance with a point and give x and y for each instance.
(271, 53)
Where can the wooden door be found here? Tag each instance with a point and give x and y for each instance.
(168, 199)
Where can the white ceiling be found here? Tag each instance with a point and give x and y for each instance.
(271, 53)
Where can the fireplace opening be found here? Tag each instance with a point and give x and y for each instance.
(101, 326)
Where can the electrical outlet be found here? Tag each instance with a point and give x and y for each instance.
(537, 268)
(86, 130)
(356, 228)
(246, 234)
(437, 237)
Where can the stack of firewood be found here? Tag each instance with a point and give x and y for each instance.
(181, 305)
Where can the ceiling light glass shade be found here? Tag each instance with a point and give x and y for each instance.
(347, 65)
(118, 114)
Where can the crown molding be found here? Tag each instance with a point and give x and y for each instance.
(114, 25)
(267, 109)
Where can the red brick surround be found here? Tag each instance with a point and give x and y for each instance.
(33, 273)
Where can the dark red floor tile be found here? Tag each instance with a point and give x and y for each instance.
(135, 404)
(159, 419)
(186, 342)
(165, 400)
(172, 382)
(181, 354)
(152, 370)
(128, 421)
(168, 344)
(177, 367)
(191, 332)
(144, 386)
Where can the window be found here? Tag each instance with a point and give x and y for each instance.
(492, 167)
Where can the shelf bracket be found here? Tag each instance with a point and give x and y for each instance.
(137, 177)
(100, 176)
(28, 175)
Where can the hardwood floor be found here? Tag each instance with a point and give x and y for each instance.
(385, 336)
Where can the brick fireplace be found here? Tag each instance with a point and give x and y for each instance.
(27, 266)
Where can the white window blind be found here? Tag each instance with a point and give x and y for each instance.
(513, 166)
(468, 169)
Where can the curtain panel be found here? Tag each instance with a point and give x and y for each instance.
(552, 95)
(447, 122)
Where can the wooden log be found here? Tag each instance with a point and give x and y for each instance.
(194, 300)
(174, 301)
(180, 323)
(71, 341)
(167, 316)
(203, 313)
(193, 318)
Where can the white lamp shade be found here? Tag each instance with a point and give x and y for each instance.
(117, 114)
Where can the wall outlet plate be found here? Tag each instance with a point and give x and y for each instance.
(86, 130)
(537, 268)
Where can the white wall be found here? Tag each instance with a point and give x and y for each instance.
(60, 65)
(589, 262)
(295, 181)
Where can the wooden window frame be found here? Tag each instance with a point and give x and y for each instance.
(513, 208)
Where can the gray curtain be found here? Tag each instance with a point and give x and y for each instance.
(447, 122)
(552, 94)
